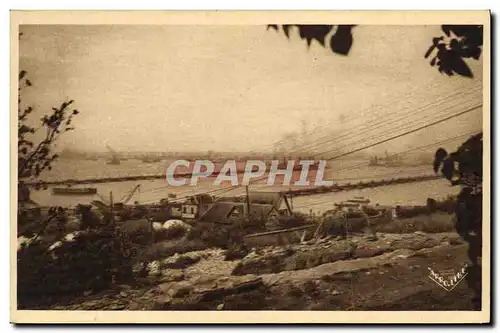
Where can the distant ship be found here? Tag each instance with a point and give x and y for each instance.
(374, 161)
(148, 159)
(114, 161)
(388, 161)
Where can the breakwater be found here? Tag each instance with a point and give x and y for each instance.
(359, 185)
(110, 179)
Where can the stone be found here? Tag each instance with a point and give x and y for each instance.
(125, 287)
(181, 261)
(203, 290)
(168, 275)
(154, 268)
(176, 289)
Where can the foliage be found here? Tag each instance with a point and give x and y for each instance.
(461, 42)
(464, 167)
(213, 235)
(428, 223)
(34, 158)
(172, 232)
(89, 219)
(465, 42)
(91, 262)
(340, 42)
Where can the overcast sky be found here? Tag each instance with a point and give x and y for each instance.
(230, 88)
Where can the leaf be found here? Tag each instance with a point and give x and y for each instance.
(314, 32)
(446, 29)
(448, 168)
(460, 67)
(286, 30)
(436, 40)
(439, 157)
(455, 45)
(341, 41)
(429, 51)
(22, 74)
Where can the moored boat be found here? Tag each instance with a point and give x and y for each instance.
(74, 190)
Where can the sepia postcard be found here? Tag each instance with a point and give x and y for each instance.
(250, 167)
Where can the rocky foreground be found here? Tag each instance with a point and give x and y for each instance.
(386, 272)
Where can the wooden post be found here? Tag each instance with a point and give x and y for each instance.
(111, 208)
(151, 230)
(113, 240)
(248, 203)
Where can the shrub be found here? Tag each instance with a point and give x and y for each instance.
(166, 249)
(138, 231)
(433, 223)
(173, 232)
(212, 235)
(92, 261)
(292, 221)
(237, 251)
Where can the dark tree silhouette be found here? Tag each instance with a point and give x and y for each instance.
(459, 42)
(464, 167)
(34, 157)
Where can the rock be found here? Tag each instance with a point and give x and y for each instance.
(269, 263)
(204, 289)
(233, 285)
(125, 287)
(370, 238)
(370, 250)
(293, 258)
(329, 269)
(174, 223)
(117, 307)
(168, 275)
(154, 268)
(176, 289)
(181, 261)
(415, 243)
(157, 226)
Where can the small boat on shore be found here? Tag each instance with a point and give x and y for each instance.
(74, 191)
